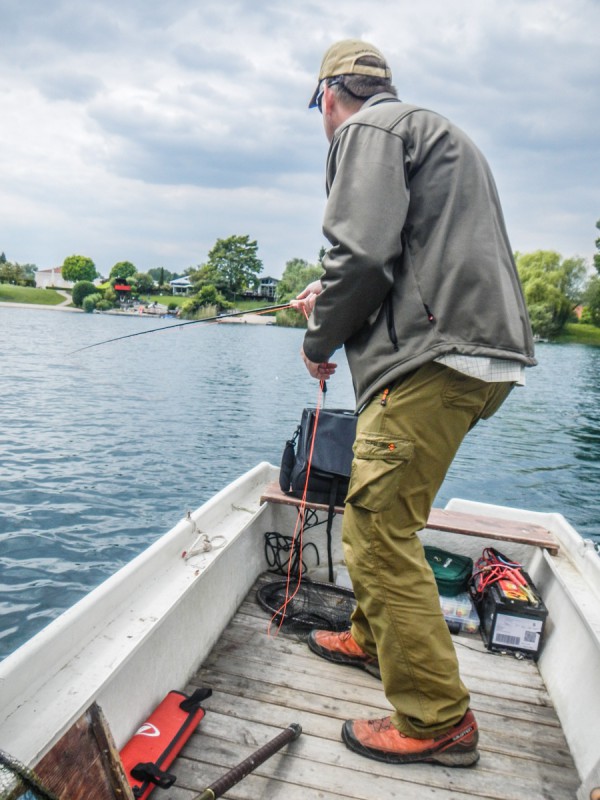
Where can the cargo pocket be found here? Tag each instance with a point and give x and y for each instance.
(376, 467)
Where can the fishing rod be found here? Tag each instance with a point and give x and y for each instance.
(245, 767)
(215, 318)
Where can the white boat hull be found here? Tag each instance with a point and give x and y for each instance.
(147, 628)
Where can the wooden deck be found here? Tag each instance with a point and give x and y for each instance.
(263, 683)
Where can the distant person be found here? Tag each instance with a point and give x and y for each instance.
(421, 288)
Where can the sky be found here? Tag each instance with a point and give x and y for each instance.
(144, 131)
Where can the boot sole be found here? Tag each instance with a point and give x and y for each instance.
(372, 667)
(447, 758)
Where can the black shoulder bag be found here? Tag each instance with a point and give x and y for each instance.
(331, 464)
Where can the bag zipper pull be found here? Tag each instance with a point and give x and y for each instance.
(384, 397)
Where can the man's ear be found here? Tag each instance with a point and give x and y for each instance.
(329, 99)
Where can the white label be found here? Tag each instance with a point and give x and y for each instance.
(520, 632)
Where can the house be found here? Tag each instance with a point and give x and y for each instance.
(181, 285)
(123, 291)
(268, 288)
(52, 279)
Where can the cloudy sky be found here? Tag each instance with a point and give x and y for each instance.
(142, 130)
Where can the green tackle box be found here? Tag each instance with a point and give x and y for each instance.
(450, 570)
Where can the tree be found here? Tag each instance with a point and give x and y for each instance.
(79, 268)
(81, 290)
(17, 274)
(552, 288)
(234, 264)
(597, 255)
(298, 273)
(161, 275)
(10, 273)
(122, 270)
(592, 299)
(143, 282)
(2, 258)
(208, 300)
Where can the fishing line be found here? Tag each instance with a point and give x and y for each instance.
(215, 318)
(300, 521)
(298, 533)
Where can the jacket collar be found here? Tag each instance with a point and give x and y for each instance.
(382, 97)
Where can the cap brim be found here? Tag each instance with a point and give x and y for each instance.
(313, 99)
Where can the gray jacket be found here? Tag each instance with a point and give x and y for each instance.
(420, 263)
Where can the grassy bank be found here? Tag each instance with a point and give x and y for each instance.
(179, 300)
(574, 333)
(27, 294)
(578, 333)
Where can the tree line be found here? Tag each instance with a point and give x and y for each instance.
(556, 290)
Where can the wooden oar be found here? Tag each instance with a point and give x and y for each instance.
(235, 775)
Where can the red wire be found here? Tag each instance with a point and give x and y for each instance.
(490, 569)
(298, 529)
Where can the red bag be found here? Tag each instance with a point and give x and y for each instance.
(154, 746)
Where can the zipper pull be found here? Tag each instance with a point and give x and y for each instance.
(384, 397)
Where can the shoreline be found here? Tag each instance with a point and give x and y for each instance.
(249, 319)
(57, 307)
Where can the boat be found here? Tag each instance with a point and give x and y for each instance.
(183, 614)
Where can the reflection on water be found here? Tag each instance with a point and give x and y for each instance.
(103, 451)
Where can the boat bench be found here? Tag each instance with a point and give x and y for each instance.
(502, 530)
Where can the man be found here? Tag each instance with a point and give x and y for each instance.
(421, 288)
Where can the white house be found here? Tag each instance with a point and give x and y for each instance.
(52, 279)
(268, 287)
(181, 285)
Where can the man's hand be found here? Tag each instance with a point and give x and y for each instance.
(306, 300)
(322, 372)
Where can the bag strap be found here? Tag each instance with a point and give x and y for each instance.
(330, 516)
(149, 772)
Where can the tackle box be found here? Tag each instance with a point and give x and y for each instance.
(460, 613)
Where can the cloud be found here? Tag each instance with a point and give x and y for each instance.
(145, 130)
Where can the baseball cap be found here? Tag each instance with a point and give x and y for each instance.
(343, 58)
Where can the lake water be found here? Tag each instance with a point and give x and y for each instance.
(103, 451)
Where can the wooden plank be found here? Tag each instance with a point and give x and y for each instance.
(85, 756)
(519, 672)
(492, 528)
(526, 739)
(263, 683)
(320, 763)
(449, 521)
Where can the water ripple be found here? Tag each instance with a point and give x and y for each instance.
(102, 452)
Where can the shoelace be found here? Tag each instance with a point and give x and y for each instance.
(384, 724)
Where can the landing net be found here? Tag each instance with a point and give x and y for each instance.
(18, 781)
(314, 605)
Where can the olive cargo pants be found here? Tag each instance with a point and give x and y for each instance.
(404, 446)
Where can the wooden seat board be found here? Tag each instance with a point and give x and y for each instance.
(449, 521)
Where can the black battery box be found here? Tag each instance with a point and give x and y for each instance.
(512, 617)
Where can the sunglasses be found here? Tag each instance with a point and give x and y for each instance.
(326, 82)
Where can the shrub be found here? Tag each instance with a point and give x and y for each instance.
(289, 318)
(90, 301)
(81, 290)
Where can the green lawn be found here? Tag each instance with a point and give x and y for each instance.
(26, 294)
(578, 333)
